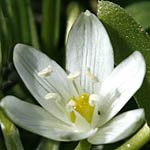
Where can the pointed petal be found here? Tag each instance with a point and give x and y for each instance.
(33, 67)
(37, 120)
(119, 87)
(89, 47)
(119, 128)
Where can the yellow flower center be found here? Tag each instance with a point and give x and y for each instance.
(83, 107)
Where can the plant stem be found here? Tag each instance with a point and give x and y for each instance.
(47, 144)
(138, 140)
(10, 133)
(83, 145)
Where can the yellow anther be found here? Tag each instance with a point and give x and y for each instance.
(45, 72)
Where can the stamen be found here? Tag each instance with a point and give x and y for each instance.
(70, 105)
(71, 78)
(90, 75)
(73, 75)
(45, 72)
(51, 95)
(93, 98)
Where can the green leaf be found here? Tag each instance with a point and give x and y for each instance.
(141, 12)
(16, 25)
(127, 36)
(7, 12)
(10, 132)
(33, 30)
(21, 21)
(5, 40)
(26, 19)
(73, 11)
(10, 11)
(50, 26)
(47, 144)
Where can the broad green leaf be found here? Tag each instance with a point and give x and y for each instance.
(141, 12)
(47, 144)
(10, 133)
(127, 36)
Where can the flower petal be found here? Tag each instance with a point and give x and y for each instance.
(81, 122)
(34, 69)
(37, 120)
(89, 48)
(119, 87)
(119, 128)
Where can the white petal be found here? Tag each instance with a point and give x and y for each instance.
(119, 128)
(89, 47)
(37, 120)
(119, 87)
(42, 75)
(81, 122)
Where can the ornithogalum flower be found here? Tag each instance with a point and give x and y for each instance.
(82, 103)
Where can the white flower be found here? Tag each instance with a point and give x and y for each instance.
(83, 103)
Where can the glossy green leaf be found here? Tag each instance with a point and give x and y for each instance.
(127, 36)
(141, 12)
(10, 133)
(47, 144)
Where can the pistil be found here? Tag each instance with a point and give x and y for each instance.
(83, 107)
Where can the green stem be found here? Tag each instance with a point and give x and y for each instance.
(10, 133)
(83, 145)
(47, 144)
(50, 26)
(138, 140)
